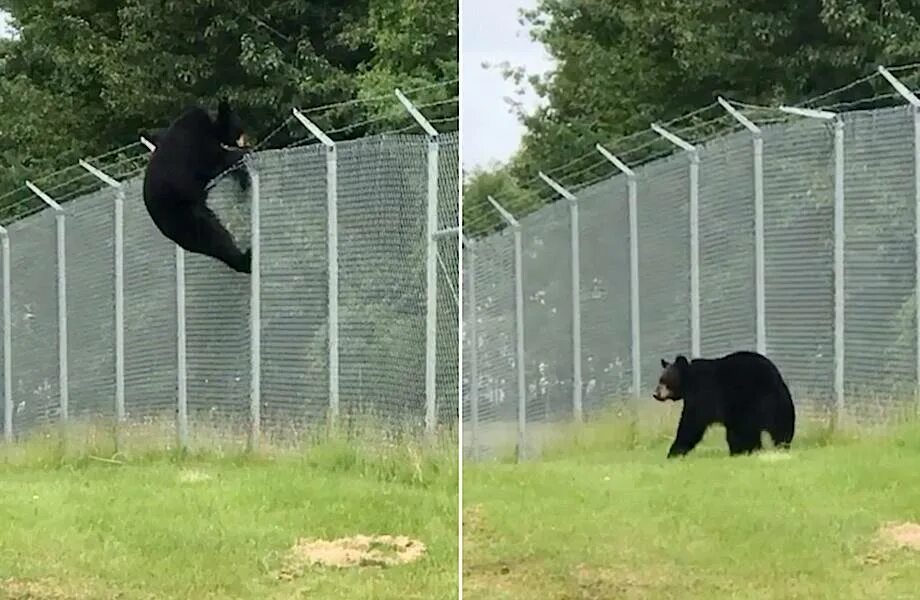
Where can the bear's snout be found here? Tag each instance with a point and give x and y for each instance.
(661, 393)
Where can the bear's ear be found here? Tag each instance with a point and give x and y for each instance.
(664, 364)
(223, 112)
(154, 135)
(681, 361)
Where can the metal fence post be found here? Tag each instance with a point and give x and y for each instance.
(332, 257)
(636, 343)
(431, 265)
(696, 333)
(7, 339)
(120, 306)
(694, 156)
(760, 250)
(119, 294)
(181, 342)
(916, 113)
(914, 102)
(181, 353)
(255, 311)
(839, 246)
(518, 328)
(759, 263)
(62, 298)
(472, 330)
(577, 408)
(839, 265)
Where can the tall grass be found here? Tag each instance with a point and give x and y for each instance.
(603, 514)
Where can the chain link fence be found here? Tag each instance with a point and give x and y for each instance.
(383, 193)
(847, 351)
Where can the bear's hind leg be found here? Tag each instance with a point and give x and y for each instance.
(206, 235)
(782, 428)
(742, 440)
(781, 436)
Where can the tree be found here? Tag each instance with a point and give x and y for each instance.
(478, 213)
(83, 78)
(622, 65)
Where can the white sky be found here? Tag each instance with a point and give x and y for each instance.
(490, 32)
(5, 29)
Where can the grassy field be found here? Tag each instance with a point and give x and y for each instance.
(603, 515)
(155, 525)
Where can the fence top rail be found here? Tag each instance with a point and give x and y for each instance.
(101, 178)
(739, 134)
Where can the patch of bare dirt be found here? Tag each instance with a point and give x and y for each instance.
(41, 589)
(622, 583)
(473, 518)
(475, 529)
(509, 578)
(893, 536)
(902, 535)
(355, 551)
(519, 579)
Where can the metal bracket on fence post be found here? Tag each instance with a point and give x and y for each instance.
(181, 342)
(63, 369)
(694, 155)
(473, 332)
(912, 99)
(7, 339)
(332, 257)
(574, 237)
(431, 264)
(518, 326)
(759, 256)
(839, 245)
(631, 190)
(119, 294)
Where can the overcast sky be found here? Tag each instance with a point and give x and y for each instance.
(491, 33)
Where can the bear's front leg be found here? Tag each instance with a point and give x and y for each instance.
(232, 159)
(242, 177)
(689, 433)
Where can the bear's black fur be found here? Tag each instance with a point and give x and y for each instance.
(743, 391)
(191, 152)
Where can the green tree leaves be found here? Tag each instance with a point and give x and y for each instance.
(622, 65)
(85, 77)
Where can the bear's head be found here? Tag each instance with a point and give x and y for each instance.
(229, 128)
(670, 383)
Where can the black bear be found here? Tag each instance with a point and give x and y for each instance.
(190, 153)
(743, 391)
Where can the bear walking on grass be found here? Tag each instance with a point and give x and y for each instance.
(189, 154)
(743, 391)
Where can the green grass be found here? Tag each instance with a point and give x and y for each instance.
(155, 524)
(603, 515)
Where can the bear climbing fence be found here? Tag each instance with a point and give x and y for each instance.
(798, 236)
(351, 311)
